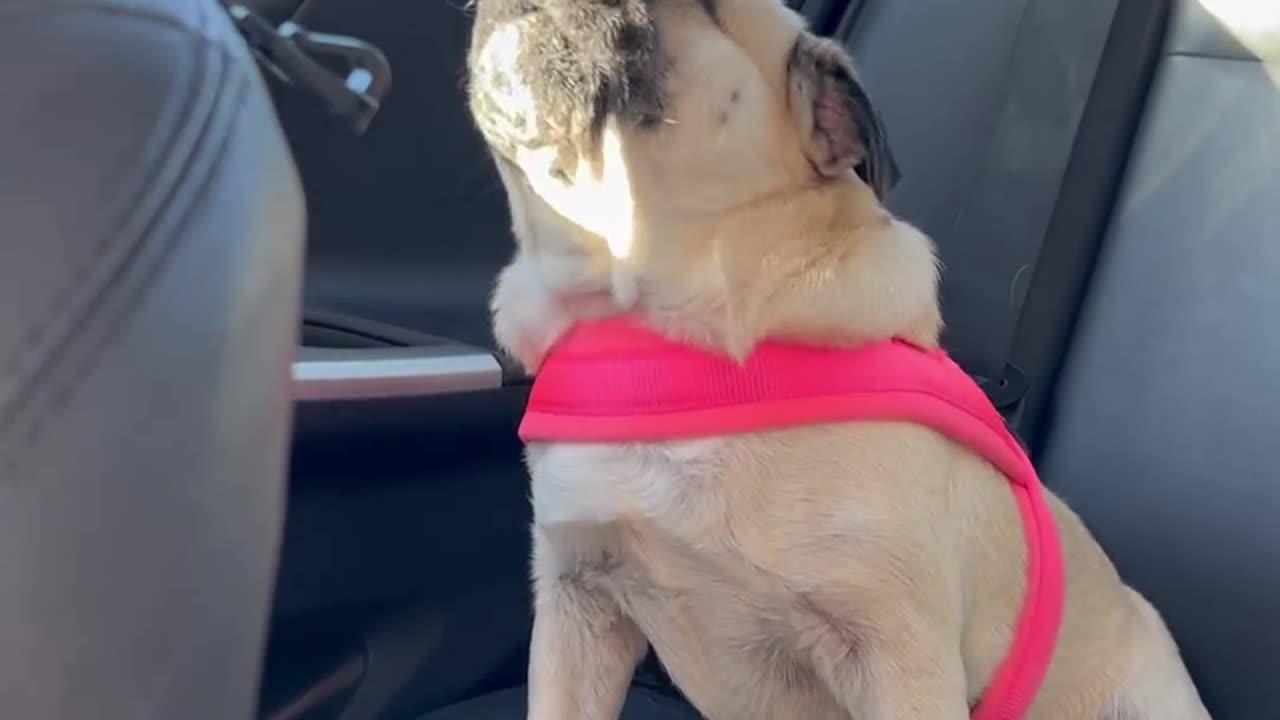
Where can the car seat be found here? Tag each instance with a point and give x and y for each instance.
(151, 230)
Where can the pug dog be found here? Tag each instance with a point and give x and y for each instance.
(715, 170)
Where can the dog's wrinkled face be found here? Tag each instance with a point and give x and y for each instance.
(619, 119)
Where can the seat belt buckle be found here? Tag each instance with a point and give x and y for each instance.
(1007, 394)
(294, 54)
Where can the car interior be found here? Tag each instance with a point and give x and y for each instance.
(257, 450)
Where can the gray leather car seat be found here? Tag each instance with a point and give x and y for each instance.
(150, 242)
(1164, 430)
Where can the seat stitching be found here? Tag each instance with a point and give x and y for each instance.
(19, 431)
(90, 280)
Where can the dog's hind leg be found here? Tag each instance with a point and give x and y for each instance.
(1160, 687)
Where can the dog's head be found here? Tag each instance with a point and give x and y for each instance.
(613, 121)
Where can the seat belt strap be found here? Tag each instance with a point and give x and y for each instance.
(1056, 55)
(990, 219)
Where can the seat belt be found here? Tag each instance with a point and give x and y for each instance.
(1090, 188)
(1056, 51)
(1056, 55)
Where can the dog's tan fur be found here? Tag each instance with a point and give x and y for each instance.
(861, 571)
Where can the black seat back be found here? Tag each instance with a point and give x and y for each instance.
(150, 246)
(1163, 428)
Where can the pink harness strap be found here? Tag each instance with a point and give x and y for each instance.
(615, 381)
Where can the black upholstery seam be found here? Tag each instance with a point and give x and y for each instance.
(1251, 60)
(231, 95)
(131, 204)
(58, 324)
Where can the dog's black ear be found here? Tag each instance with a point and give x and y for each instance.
(839, 127)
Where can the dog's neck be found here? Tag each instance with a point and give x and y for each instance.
(822, 264)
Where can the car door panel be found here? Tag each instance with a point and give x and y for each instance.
(406, 543)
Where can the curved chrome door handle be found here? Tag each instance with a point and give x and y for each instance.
(392, 372)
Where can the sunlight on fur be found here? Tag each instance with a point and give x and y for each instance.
(500, 57)
(598, 199)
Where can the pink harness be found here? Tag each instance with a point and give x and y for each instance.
(615, 381)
